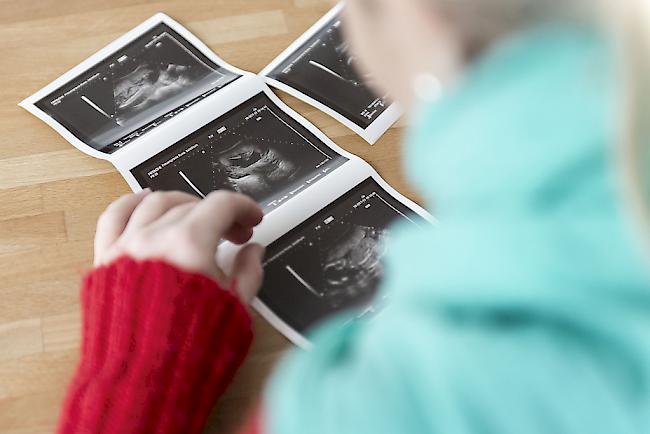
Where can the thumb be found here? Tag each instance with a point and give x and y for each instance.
(247, 271)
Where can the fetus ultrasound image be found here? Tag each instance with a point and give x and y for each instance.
(333, 261)
(323, 69)
(147, 82)
(255, 149)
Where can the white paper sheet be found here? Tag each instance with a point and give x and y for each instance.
(127, 88)
(318, 69)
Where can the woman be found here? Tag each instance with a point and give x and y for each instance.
(527, 310)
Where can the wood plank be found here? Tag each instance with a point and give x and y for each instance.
(36, 413)
(61, 332)
(240, 27)
(28, 233)
(20, 338)
(49, 166)
(21, 202)
(34, 373)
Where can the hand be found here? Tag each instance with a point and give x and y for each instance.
(184, 231)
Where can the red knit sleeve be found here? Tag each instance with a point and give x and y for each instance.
(159, 346)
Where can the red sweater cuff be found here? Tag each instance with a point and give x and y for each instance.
(159, 346)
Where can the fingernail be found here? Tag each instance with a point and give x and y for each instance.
(145, 190)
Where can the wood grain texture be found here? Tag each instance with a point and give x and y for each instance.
(51, 194)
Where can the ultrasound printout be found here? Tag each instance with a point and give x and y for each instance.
(323, 69)
(255, 149)
(332, 261)
(144, 84)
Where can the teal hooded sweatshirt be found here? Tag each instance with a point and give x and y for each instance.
(526, 309)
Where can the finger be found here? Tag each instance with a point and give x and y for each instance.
(239, 234)
(113, 220)
(247, 272)
(353, 6)
(174, 215)
(219, 212)
(156, 205)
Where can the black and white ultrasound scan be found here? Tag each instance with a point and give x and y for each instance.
(323, 69)
(137, 88)
(333, 261)
(255, 149)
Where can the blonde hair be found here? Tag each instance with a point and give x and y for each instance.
(632, 30)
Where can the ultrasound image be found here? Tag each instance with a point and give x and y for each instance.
(254, 149)
(149, 81)
(252, 169)
(333, 261)
(351, 266)
(323, 69)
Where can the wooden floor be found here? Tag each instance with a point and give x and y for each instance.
(51, 194)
